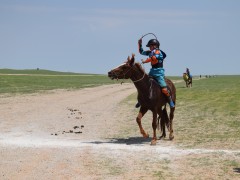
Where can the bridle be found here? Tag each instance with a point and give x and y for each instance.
(124, 75)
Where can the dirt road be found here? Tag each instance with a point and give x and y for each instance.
(86, 134)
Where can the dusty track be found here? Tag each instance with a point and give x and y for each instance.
(85, 135)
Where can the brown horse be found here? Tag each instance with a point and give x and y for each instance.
(187, 79)
(150, 96)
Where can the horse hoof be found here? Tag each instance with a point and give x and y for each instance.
(153, 142)
(146, 135)
(171, 138)
(162, 137)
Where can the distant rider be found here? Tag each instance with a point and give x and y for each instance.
(188, 73)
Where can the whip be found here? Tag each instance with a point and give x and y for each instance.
(148, 34)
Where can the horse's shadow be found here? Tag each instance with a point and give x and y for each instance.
(236, 170)
(127, 141)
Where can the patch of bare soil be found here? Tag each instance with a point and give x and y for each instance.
(92, 134)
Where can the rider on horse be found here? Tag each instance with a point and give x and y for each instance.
(188, 73)
(156, 57)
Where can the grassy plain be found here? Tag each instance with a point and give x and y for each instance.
(32, 81)
(208, 115)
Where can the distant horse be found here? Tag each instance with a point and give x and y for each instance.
(187, 79)
(150, 97)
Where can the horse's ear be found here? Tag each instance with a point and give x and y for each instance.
(133, 55)
(131, 62)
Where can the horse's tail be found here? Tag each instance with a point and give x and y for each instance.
(163, 120)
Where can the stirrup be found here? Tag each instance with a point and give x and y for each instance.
(171, 103)
(137, 105)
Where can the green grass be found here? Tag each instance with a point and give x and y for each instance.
(209, 112)
(32, 81)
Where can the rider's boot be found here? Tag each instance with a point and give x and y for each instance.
(170, 101)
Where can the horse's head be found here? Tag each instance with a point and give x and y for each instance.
(124, 70)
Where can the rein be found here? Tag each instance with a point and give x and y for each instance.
(134, 80)
(139, 79)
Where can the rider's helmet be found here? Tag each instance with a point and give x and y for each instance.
(153, 42)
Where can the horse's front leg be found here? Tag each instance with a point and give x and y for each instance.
(139, 118)
(154, 126)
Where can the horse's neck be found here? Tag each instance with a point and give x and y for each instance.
(142, 85)
(140, 80)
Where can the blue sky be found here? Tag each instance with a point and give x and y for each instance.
(96, 35)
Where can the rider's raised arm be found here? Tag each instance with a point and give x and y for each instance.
(140, 49)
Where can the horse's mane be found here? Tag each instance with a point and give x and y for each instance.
(138, 65)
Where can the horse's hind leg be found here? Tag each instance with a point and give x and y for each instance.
(139, 118)
(171, 136)
(154, 126)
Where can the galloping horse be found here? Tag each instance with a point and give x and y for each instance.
(187, 79)
(150, 97)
